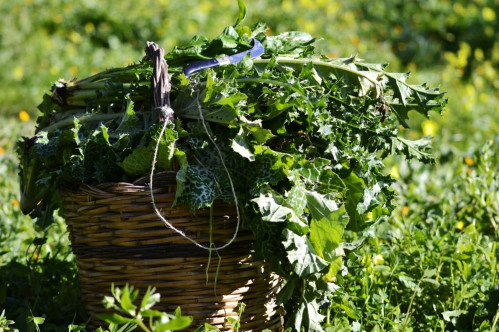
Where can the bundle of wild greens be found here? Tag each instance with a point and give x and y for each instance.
(302, 136)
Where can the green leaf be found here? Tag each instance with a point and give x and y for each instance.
(307, 317)
(241, 145)
(139, 162)
(334, 268)
(242, 12)
(151, 313)
(310, 170)
(177, 312)
(114, 318)
(272, 206)
(37, 320)
(288, 291)
(326, 233)
(451, 316)
(330, 182)
(296, 197)
(302, 255)
(320, 206)
(126, 300)
(175, 324)
(181, 179)
(419, 149)
(129, 120)
(355, 186)
(105, 134)
(108, 302)
(150, 299)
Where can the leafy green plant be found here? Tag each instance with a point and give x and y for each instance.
(130, 315)
(421, 31)
(310, 132)
(428, 267)
(4, 323)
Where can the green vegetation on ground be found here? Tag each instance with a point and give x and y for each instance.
(431, 266)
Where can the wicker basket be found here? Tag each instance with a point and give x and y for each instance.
(117, 238)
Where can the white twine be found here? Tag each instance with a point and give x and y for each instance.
(158, 213)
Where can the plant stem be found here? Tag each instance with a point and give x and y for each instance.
(84, 118)
(142, 325)
(408, 314)
(317, 62)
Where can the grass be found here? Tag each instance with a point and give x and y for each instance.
(432, 266)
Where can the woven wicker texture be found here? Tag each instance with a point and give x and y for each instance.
(117, 238)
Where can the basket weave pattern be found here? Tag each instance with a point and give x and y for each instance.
(117, 238)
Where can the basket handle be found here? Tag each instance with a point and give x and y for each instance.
(161, 82)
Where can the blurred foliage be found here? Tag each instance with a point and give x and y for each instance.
(422, 31)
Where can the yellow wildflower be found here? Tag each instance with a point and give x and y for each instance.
(355, 40)
(429, 127)
(394, 172)
(2, 151)
(468, 161)
(405, 211)
(460, 225)
(287, 6)
(488, 14)
(479, 55)
(378, 259)
(15, 202)
(89, 27)
(24, 116)
(18, 73)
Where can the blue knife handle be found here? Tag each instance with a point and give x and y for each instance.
(254, 52)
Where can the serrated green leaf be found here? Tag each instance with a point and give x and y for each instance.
(310, 170)
(272, 206)
(241, 145)
(128, 123)
(105, 134)
(419, 149)
(296, 197)
(302, 255)
(308, 317)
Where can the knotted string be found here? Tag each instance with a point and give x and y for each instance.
(161, 83)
